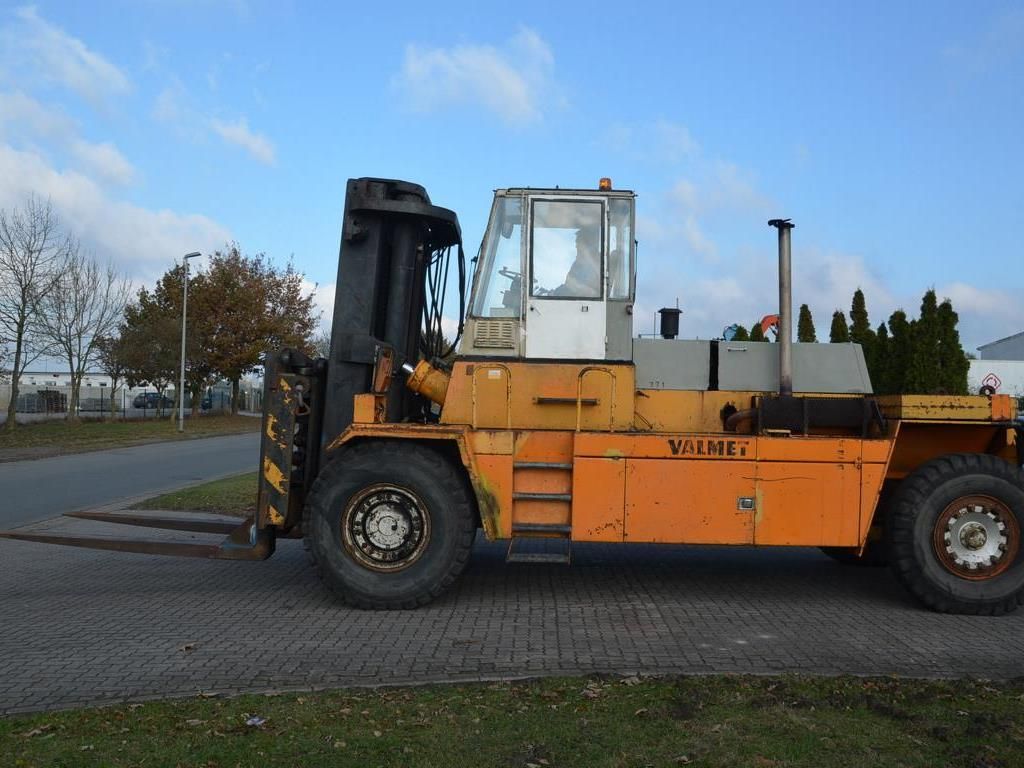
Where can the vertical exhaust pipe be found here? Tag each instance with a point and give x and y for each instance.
(785, 306)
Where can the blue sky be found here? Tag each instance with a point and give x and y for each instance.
(891, 135)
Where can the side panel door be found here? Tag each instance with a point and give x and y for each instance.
(808, 491)
(690, 501)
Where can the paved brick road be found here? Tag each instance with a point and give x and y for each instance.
(80, 627)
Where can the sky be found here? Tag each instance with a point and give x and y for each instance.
(889, 133)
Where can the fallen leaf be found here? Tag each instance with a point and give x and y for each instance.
(378, 734)
(640, 712)
(37, 731)
(683, 760)
(187, 648)
(194, 723)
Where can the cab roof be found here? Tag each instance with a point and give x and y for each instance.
(564, 191)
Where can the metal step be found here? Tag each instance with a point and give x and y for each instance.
(524, 496)
(564, 557)
(540, 465)
(560, 529)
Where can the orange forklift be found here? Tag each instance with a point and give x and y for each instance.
(548, 422)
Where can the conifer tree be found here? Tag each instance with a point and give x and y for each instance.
(879, 367)
(756, 334)
(953, 363)
(741, 334)
(923, 372)
(900, 345)
(860, 327)
(840, 332)
(805, 326)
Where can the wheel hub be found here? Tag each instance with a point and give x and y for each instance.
(977, 537)
(385, 527)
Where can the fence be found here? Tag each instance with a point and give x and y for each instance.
(37, 402)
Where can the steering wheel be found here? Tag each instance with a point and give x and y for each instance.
(511, 275)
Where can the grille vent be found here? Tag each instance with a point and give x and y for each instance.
(494, 334)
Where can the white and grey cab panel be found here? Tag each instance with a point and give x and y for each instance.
(555, 277)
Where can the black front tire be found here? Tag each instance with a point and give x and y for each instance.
(434, 509)
(919, 516)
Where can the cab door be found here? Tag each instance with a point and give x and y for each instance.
(565, 306)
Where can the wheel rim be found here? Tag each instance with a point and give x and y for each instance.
(385, 528)
(977, 537)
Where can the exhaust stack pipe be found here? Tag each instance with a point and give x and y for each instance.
(785, 306)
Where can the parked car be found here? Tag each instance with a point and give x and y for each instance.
(152, 400)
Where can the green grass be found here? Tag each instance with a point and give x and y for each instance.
(699, 721)
(230, 496)
(51, 438)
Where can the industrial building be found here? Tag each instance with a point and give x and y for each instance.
(1000, 366)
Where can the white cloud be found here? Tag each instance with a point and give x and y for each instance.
(17, 110)
(673, 141)
(48, 52)
(323, 300)
(238, 133)
(24, 121)
(168, 106)
(143, 243)
(515, 81)
(659, 142)
(104, 160)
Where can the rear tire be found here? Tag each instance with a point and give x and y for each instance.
(955, 530)
(390, 524)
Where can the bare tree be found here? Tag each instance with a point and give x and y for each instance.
(32, 248)
(85, 305)
(111, 358)
(322, 343)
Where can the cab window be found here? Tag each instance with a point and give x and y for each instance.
(566, 244)
(500, 280)
(620, 248)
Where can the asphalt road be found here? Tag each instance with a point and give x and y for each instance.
(43, 488)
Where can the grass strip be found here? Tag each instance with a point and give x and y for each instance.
(698, 721)
(231, 496)
(51, 438)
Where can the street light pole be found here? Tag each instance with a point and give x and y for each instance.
(184, 315)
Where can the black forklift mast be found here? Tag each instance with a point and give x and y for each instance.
(390, 237)
(392, 269)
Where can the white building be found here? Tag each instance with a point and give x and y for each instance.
(1001, 367)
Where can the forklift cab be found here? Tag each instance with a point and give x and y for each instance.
(555, 276)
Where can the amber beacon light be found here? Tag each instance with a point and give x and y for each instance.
(605, 184)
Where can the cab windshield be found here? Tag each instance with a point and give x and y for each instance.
(499, 288)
